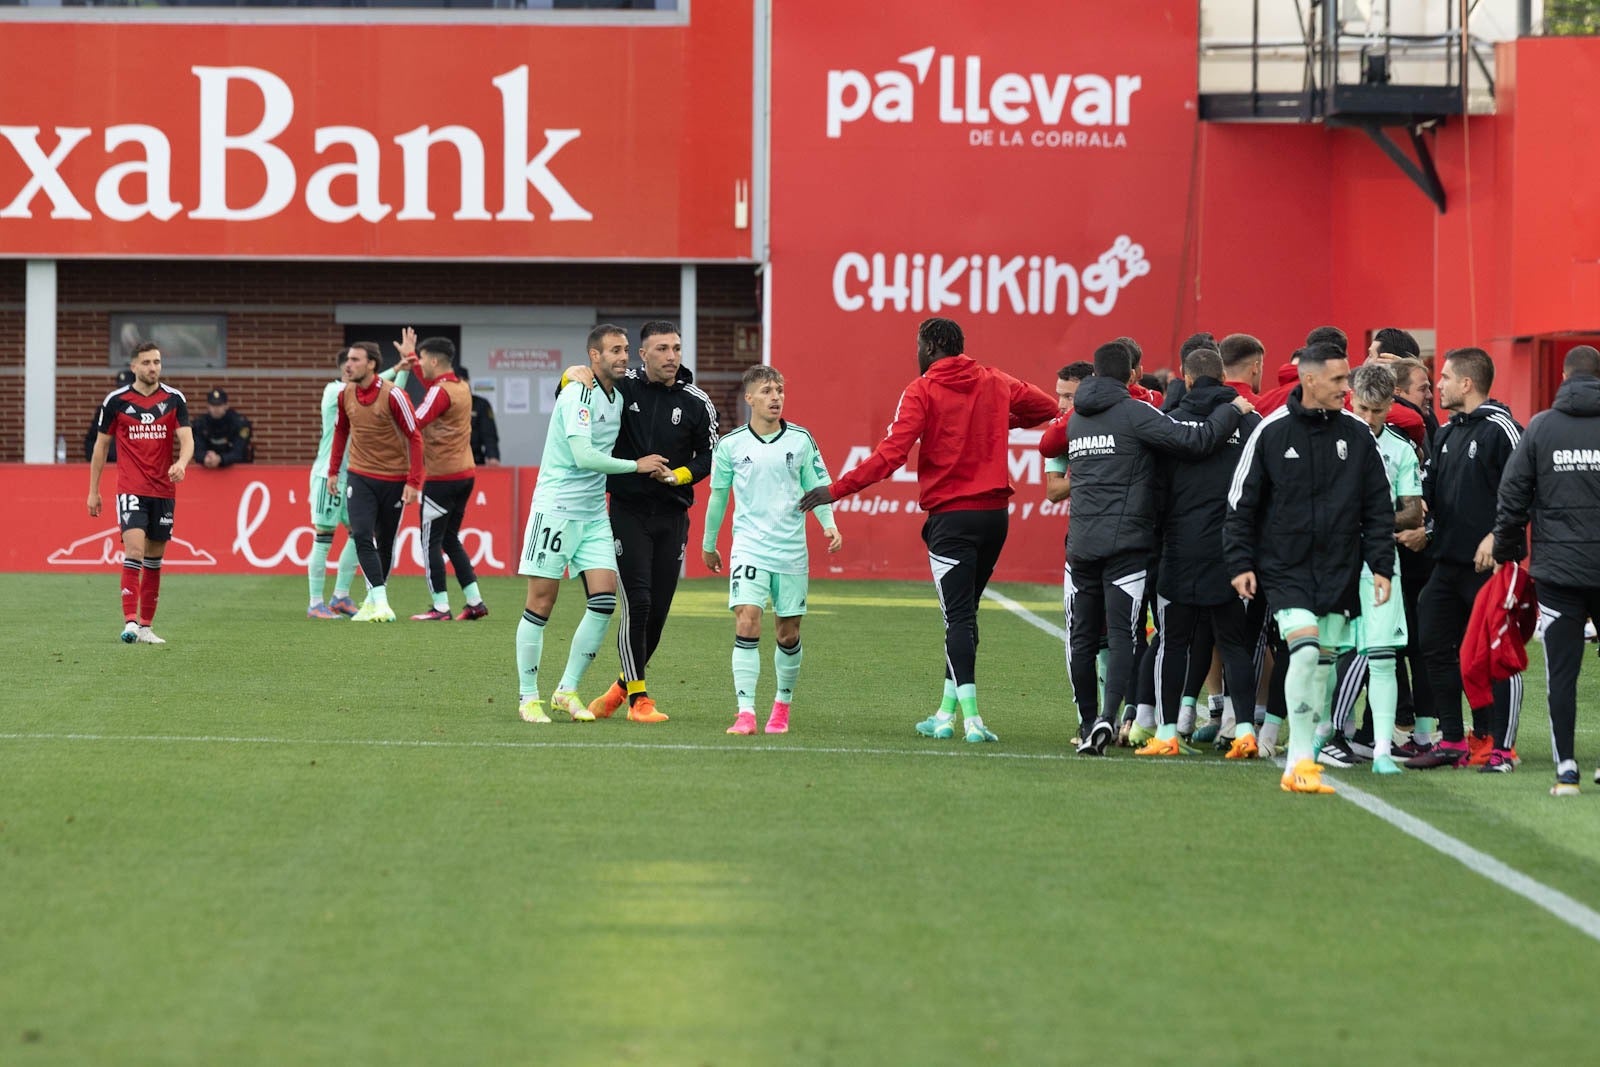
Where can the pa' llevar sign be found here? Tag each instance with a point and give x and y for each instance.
(356, 141)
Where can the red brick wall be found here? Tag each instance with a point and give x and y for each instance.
(303, 334)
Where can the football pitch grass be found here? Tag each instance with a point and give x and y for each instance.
(282, 841)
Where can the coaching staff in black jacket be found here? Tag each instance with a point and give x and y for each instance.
(663, 414)
(1111, 543)
(1554, 476)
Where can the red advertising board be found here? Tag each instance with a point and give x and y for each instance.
(359, 141)
(1027, 175)
(241, 520)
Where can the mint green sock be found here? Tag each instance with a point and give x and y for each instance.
(1427, 729)
(1190, 702)
(786, 664)
(1301, 689)
(379, 595)
(746, 671)
(947, 706)
(530, 646)
(1383, 696)
(470, 591)
(967, 697)
(348, 560)
(586, 639)
(317, 566)
(1166, 731)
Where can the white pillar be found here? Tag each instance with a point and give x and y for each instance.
(39, 364)
(688, 323)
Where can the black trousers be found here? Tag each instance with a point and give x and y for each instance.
(444, 505)
(1563, 609)
(963, 547)
(1176, 655)
(1443, 610)
(1108, 593)
(650, 545)
(1411, 672)
(376, 507)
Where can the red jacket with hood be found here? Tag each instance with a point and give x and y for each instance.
(963, 413)
(1504, 616)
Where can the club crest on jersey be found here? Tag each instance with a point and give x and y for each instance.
(677, 416)
(616, 544)
(788, 461)
(1343, 450)
(1472, 450)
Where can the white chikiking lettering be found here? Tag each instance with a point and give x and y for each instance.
(223, 93)
(967, 97)
(1095, 444)
(1019, 285)
(1571, 458)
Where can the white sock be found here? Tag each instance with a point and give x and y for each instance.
(1145, 717)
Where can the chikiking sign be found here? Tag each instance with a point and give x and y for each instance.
(360, 141)
(1027, 176)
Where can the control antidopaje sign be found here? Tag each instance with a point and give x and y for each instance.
(465, 142)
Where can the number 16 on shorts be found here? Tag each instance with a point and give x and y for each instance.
(555, 545)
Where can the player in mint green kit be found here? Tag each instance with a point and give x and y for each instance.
(568, 531)
(328, 508)
(767, 464)
(1381, 630)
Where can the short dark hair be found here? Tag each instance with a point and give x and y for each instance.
(462, 373)
(1396, 342)
(1076, 372)
(1473, 363)
(1203, 361)
(1318, 354)
(655, 326)
(1240, 348)
(1583, 360)
(600, 333)
(758, 374)
(1134, 351)
(441, 347)
(147, 346)
(1114, 360)
(1196, 340)
(369, 348)
(944, 336)
(1328, 335)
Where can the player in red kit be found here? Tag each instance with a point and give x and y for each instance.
(144, 418)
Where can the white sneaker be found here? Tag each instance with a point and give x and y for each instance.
(130, 633)
(532, 710)
(147, 636)
(568, 701)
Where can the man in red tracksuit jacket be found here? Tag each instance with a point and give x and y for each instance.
(963, 414)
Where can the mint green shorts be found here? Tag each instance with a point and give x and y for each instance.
(555, 546)
(328, 511)
(1334, 632)
(1381, 626)
(753, 587)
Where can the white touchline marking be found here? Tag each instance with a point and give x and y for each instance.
(1572, 912)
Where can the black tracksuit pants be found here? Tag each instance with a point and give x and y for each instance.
(963, 548)
(1563, 609)
(444, 505)
(651, 540)
(1110, 593)
(1176, 654)
(1443, 611)
(376, 507)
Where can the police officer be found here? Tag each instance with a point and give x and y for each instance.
(1554, 477)
(222, 435)
(663, 414)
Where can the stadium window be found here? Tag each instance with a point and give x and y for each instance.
(187, 341)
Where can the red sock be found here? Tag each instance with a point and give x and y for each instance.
(131, 570)
(150, 591)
